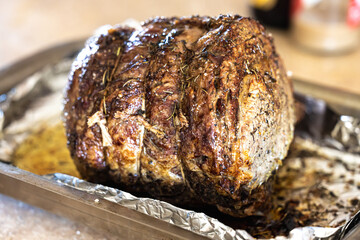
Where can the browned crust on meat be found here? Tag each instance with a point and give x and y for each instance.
(161, 168)
(126, 100)
(84, 95)
(198, 107)
(240, 108)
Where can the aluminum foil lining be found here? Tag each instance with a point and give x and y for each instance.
(38, 101)
(193, 221)
(347, 133)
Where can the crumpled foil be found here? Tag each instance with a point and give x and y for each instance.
(347, 133)
(38, 101)
(193, 221)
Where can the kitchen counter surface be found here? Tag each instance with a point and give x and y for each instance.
(27, 26)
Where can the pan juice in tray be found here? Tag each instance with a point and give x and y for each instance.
(312, 188)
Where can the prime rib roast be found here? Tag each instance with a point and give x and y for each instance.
(188, 109)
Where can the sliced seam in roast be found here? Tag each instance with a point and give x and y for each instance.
(193, 106)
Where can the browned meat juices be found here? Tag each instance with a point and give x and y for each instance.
(189, 108)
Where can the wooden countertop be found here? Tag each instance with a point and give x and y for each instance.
(27, 26)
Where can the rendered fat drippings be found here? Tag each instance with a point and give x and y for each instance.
(44, 152)
(306, 192)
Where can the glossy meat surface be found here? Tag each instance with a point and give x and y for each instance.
(189, 108)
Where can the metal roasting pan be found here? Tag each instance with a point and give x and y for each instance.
(106, 216)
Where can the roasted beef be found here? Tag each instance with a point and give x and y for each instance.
(193, 108)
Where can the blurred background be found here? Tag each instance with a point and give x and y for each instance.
(317, 39)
